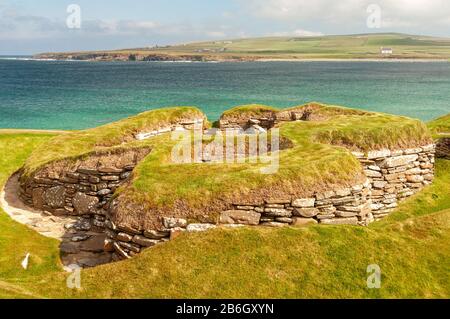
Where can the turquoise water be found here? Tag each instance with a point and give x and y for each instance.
(76, 95)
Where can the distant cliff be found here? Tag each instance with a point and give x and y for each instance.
(112, 56)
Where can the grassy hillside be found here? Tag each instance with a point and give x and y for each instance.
(362, 46)
(411, 247)
(440, 127)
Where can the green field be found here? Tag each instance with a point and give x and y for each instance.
(411, 247)
(360, 46)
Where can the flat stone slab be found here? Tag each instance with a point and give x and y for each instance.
(93, 244)
(69, 248)
(240, 217)
(87, 248)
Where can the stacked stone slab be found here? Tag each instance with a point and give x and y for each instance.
(85, 187)
(87, 190)
(343, 206)
(397, 174)
(181, 126)
(349, 206)
(84, 192)
(264, 122)
(391, 177)
(125, 242)
(269, 119)
(443, 148)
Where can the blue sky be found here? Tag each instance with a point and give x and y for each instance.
(28, 26)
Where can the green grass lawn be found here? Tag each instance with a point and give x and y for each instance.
(411, 247)
(17, 240)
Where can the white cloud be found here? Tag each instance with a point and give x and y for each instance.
(140, 25)
(300, 9)
(352, 12)
(296, 33)
(216, 34)
(17, 26)
(412, 13)
(248, 18)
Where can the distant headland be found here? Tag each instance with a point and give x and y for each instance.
(374, 47)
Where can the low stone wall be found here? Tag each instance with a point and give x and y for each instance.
(391, 177)
(345, 206)
(397, 174)
(182, 126)
(268, 119)
(443, 148)
(82, 188)
(265, 122)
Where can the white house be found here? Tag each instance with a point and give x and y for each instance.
(387, 51)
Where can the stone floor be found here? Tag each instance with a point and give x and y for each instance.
(80, 245)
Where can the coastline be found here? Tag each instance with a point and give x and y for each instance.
(34, 131)
(265, 60)
(353, 60)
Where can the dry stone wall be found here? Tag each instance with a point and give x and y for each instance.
(86, 187)
(397, 174)
(391, 177)
(82, 188)
(268, 119)
(181, 126)
(443, 148)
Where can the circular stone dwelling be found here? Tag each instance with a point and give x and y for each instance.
(310, 164)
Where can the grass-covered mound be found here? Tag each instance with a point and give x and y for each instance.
(410, 246)
(440, 127)
(117, 135)
(319, 159)
(247, 111)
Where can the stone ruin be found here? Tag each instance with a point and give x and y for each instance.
(86, 188)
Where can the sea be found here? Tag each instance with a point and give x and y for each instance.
(77, 94)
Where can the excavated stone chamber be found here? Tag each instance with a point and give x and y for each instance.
(87, 188)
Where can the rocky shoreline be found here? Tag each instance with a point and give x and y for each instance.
(103, 57)
(154, 57)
